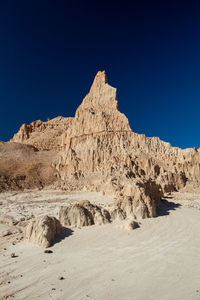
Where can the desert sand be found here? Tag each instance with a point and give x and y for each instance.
(158, 260)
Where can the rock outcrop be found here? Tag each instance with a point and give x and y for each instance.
(86, 214)
(139, 200)
(98, 151)
(90, 137)
(43, 135)
(43, 230)
(99, 143)
(83, 214)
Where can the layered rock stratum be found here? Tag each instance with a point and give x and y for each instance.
(98, 151)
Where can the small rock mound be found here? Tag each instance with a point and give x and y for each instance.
(128, 225)
(43, 230)
(83, 214)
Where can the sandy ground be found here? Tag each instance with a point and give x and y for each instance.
(26, 204)
(159, 260)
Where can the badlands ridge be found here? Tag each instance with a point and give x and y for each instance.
(57, 178)
(97, 151)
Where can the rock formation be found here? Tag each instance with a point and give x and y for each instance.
(86, 214)
(139, 200)
(83, 214)
(97, 150)
(43, 135)
(99, 147)
(43, 230)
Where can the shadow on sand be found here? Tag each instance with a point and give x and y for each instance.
(164, 208)
(66, 232)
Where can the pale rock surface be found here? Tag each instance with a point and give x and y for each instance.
(140, 200)
(43, 135)
(98, 151)
(43, 230)
(83, 214)
(117, 213)
(100, 145)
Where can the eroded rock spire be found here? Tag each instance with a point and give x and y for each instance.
(99, 111)
(101, 98)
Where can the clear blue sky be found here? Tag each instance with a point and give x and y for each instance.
(51, 50)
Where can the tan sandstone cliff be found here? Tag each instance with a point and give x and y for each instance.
(97, 150)
(99, 144)
(43, 135)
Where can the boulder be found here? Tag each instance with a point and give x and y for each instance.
(83, 214)
(43, 230)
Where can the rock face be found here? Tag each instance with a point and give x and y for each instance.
(83, 214)
(99, 146)
(101, 152)
(43, 230)
(98, 151)
(90, 136)
(140, 200)
(43, 135)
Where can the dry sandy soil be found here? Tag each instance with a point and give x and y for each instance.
(159, 260)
